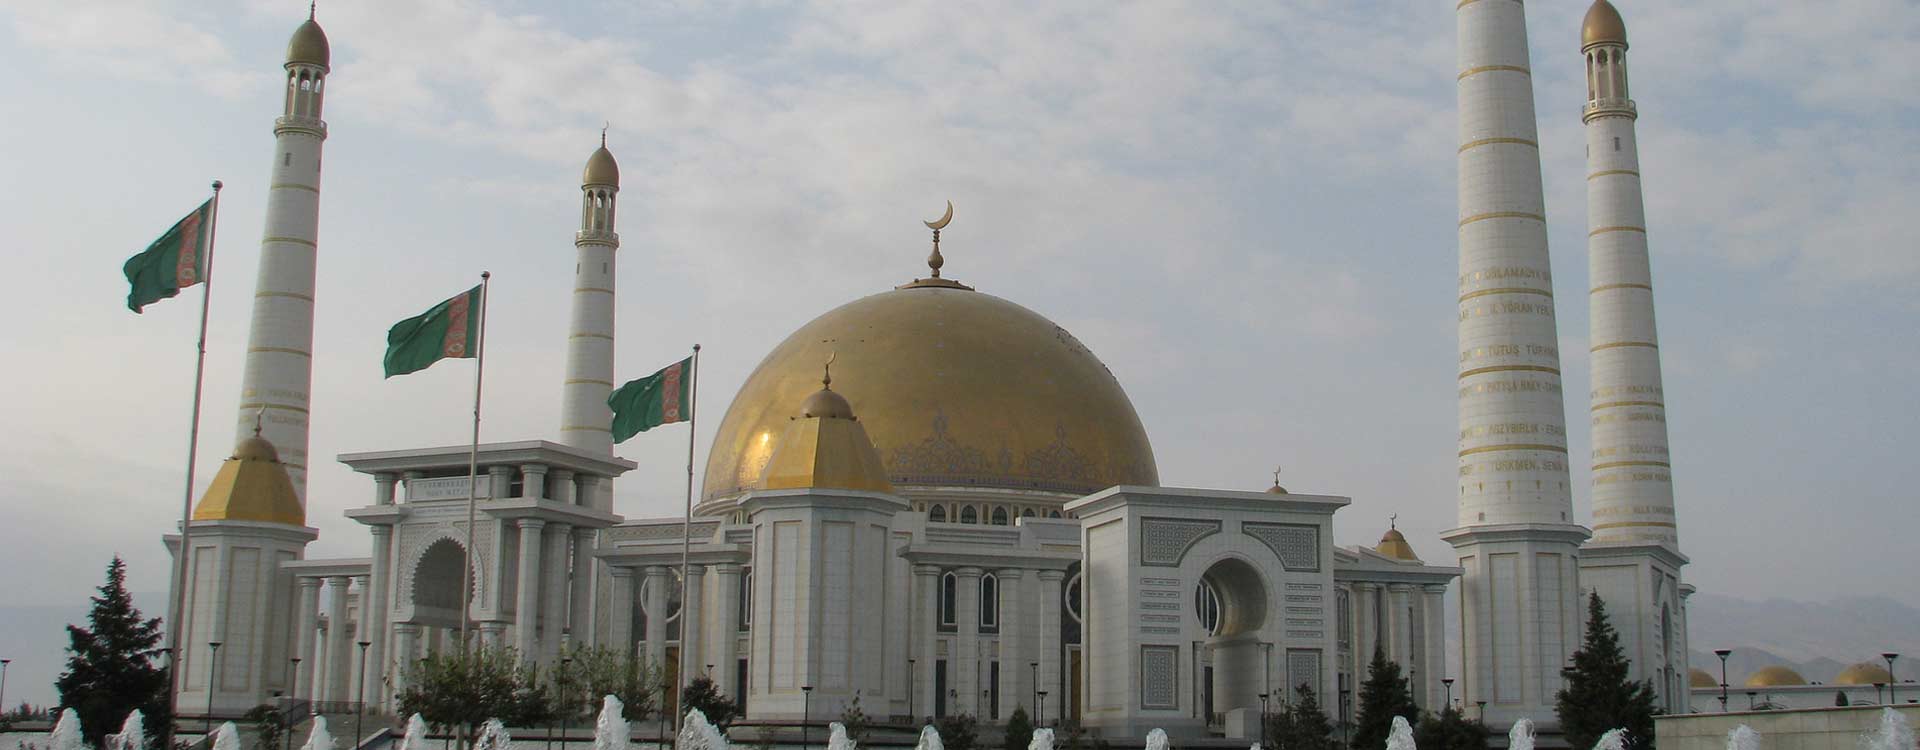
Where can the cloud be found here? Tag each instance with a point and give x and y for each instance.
(135, 41)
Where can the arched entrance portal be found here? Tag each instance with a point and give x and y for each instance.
(1236, 609)
(436, 585)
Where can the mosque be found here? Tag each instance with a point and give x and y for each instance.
(962, 513)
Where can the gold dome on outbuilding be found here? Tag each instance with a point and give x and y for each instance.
(1864, 673)
(1394, 544)
(1699, 678)
(309, 45)
(825, 448)
(252, 486)
(1603, 25)
(601, 168)
(1775, 676)
(957, 388)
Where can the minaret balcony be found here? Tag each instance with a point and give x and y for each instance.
(1609, 108)
(295, 124)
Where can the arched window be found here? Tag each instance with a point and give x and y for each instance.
(746, 599)
(990, 601)
(1206, 607)
(1026, 512)
(949, 589)
(938, 514)
(1072, 595)
(999, 516)
(968, 515)
(1053, 514)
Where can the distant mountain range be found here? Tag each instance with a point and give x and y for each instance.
(1815, 639)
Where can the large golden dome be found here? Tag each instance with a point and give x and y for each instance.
(1864, 673)
(956, 388)
(1775, 676)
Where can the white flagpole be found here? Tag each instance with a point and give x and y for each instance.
(686, 529)
(473, 467)
(186, 503)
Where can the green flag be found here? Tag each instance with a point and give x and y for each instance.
(174, 262)
(657, 399)
(449, 330)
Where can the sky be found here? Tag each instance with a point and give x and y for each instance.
(1246, 209)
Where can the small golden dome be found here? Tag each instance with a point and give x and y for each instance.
(825, 448)
(1276, 489)
(1775, 676)
(825, 404)
(1700, 679)
(1603, 25)
(1394, 544)
(252, 486)
(309, 45)
(601, 168)
(1864, 673)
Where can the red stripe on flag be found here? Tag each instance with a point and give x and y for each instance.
(455, 344)
(670, 394)
(186, 272)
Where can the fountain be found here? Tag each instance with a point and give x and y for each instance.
(227, 737)
(416, 738)
(1521, 736)
(1157, 739)
(66, 732)
(611, 731)
(319, 738)
(837, 737)
(1614, 739)
(133, 733)
(1401, 736)
(1894, 734)
(1042, 739)
(699, 734)
(493, 736)
(929, 739)
(1743, 738)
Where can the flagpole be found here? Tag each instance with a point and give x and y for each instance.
(186, 503)
(473, 467)
(686, 528)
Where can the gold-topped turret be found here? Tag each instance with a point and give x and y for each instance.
(825, 447)
(252, 486)
(1394, 544)
(1603, 25)
(601, 168)
(1276, 489)
(309, 44)
(935, 260)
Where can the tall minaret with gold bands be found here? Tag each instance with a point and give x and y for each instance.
(1634, 560)
(585, 420)
(279, 366)
(1516, 540)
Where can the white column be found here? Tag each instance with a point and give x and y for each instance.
(926, 602)
(406, 648)
(373, 608)
(723, 627)
(620, 611)
(526, 607)
(383, 488)
(963, 670)
(303, 628)
(1366, 600)
(1051, 600)
(693, 651)
(1434, 629)
(339, 650)
(553, 590)
(1399, 625)
(1013, 652)
(580, 600)
(533, 481)
(563, 487)
(655, 605)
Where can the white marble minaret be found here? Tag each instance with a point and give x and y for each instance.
(1634, 559)
(279, 369)
(1516, 541)
(585, 420)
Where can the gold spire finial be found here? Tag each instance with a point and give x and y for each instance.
(259, 417)
(826, 378)
(603, 133)
(310, 8)
(934, 261)
(1393, 521)
(1276, 476)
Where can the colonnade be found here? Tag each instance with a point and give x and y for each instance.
(1406, 622)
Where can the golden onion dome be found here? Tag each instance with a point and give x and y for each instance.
(1394, 544)
(1276, 489)
(309, 45)
(1775, 676)
(1864, 673)
(825, 448)
(252, 486)
(957, 388)
(1603, 25)
(601, 168)
(1700, 679)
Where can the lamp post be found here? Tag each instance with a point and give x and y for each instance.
(360, 692)
(1892, 682)
(1448, 682)
(1750, 694)
(213, 664)
(293, 693)
(806, 711)
(1042, 709)
(3, 683)
(1878, 696)
(1483, 710)
(1346, 694)
(1263, 720)
(1035, 666)
(566, 700)
(912, 688)
(1722, 653)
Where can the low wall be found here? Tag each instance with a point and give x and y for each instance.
(1831, 728)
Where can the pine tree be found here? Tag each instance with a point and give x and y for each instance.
(110, 663)
(1384, 695)
(1019, 730)
(1449, 731)
(1598, 695)
(702, 694)
(1301, 725)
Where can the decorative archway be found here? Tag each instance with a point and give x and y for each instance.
(1238, 597)
(433, 596)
